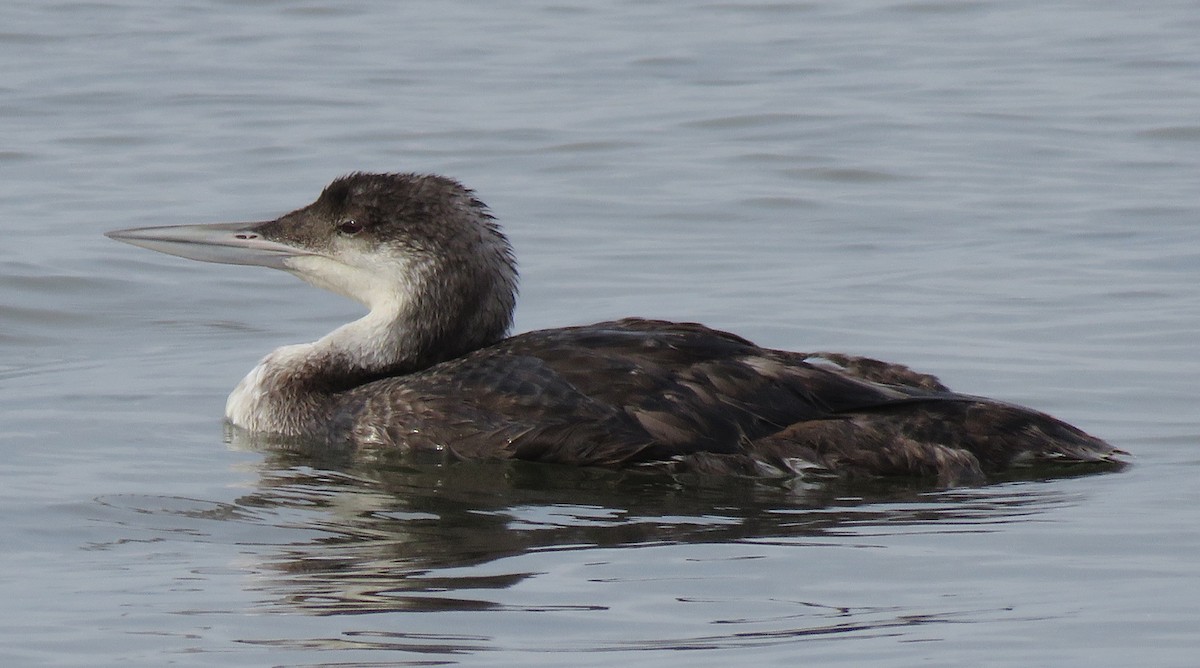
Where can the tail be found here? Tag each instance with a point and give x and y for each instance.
(952, 439)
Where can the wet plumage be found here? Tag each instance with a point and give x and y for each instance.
(429, 367)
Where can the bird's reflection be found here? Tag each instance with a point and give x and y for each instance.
(404, 533)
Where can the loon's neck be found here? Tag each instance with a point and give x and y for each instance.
(293, 390)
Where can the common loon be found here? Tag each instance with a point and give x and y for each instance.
(431, 365)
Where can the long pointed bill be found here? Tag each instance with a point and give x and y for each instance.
(227, 243)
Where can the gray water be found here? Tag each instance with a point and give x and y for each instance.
(1001, 193)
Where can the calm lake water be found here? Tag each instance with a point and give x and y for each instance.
(1001, 193)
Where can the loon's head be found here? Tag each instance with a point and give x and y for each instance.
(419, 246)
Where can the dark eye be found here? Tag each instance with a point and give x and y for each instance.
(350, 228)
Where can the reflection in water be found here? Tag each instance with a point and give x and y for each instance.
(329, 537)
(409, 534)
